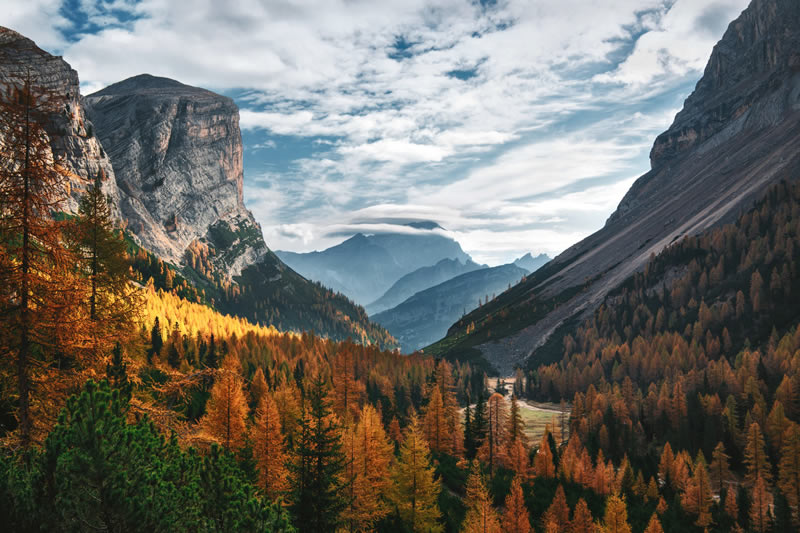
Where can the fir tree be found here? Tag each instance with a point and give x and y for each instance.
(318, 495)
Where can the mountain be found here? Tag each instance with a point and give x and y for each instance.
(737, 134)
(530, 263)
(171, 155)
(364, 267)
(71, 132)
(425, 317)
(419, 280)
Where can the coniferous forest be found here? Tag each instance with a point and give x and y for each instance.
(141, 395)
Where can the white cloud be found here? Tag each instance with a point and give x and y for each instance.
(560, 98)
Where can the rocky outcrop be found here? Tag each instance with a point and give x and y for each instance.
(737, 134)
(72, 135)
(177, 156)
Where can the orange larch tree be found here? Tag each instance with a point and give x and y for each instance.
(719, 470)
(760, 505)
(481, 516)
(369, 454)
(789, 470)
(654, 525)
(558, 512)
(755, 457)
(582, 521)
(615, 519)
(39, 295)
(348, 390)
(436, 424)
(227, 407)
(515, 515)
(493, 447)
(697, 499)
(543, 465)
(269, 449)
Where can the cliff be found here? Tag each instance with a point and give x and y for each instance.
(737, 134)
(72, 135)
(177, 157)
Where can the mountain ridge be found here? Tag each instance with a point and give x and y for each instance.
(736, 135)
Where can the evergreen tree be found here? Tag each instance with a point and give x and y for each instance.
(156, 341)
(117, 372)
(415, 491)
(318, 495)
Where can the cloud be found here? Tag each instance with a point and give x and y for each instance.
(491, 118)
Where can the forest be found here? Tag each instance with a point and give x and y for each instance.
(130, 404)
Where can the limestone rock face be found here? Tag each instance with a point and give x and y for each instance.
(737, 134)
(177, 157)
(72, 134)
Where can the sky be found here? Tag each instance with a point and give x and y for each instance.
(516, 125)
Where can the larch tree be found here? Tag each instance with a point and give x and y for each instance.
(269, 450)
(615, 519)
(437, 427)
(558, 512)
(227, 407)
(582, 521)
(113, 302)
(697, 499)
(348, 391)
(719, 470)
(414, 491)
(39, 293)
(369, 454)
(515, 516)
(518, 459)
(760, 505)
(543, 464)
(654, 525)
(481, 517)
(789, 470)
(492, 450)
(755, 457)
(258, 387)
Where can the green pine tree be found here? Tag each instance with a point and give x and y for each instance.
(317, 491)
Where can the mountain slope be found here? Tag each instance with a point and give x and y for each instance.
(419, 280)
(737, 134)
(425, 317)
(365, 266)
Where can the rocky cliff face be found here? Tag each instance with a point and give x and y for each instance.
(737, 134)
(177, 157)
(73, 139)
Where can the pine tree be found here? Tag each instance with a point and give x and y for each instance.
(117, 372)
(558, 512)
(481, 516)
(515, 516)
(227, 407)
(415, 491)
(789, 470)
(39, 290)
(479, 426)
(269, 450)
(582, 521)
(369, 454)
(318, 493)
(156, 341)
(616, 516)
